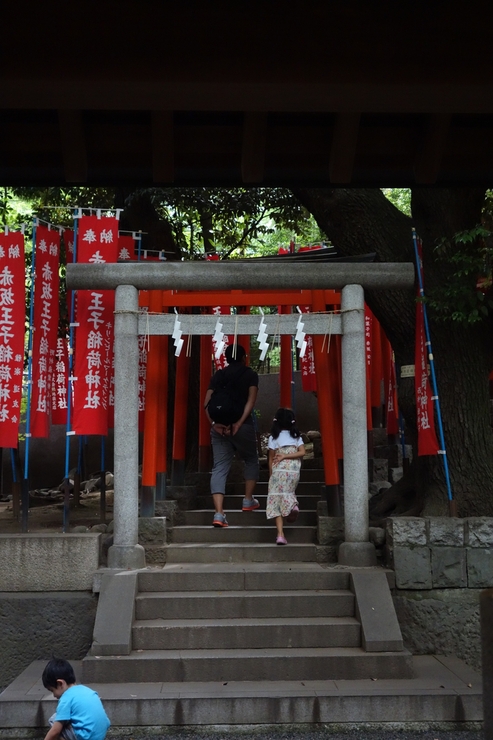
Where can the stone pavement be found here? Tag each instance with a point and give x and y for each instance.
(445, 691)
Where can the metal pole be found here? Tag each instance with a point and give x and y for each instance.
(443, 450)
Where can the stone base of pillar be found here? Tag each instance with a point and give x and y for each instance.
(123, 556)
(148, 501)
(177, 472)
(357, 554)
(160, 486)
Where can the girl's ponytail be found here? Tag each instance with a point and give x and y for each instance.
(284, 421)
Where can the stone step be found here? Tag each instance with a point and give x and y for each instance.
(198, 534)
(273, 664)
(243, 604)
(196, 634)
(249, 577)
(307, 501)
(307, 475)
(304, 487)
(443, 690)
(203, 517)
(240, 553)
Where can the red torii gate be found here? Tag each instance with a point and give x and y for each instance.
(327, 368)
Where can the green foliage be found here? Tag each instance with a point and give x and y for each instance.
(233, 222)
(465, 295)
(400, 197)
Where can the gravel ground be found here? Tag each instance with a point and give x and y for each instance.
(285, 732)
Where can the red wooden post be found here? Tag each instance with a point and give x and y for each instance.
(149, 455)
(162, 429)
(327, 413)
(180, 417)
(336, 385)
(204, 426)
(244, 339)
(376, 374)
(286, 369)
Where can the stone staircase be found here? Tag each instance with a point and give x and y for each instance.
(235, 631)
(197, 622)
(250, 537)
(231, 605)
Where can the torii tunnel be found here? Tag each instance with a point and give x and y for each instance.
(349, 278)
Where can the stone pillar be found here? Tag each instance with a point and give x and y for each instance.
(356, 550)
(125, 552)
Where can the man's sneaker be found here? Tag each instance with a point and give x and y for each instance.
(219, 521)
(250, 504)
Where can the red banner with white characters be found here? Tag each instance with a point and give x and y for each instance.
(220, 362)
(126, 247)
(391, 393)
(427, 440)
(12, 331)
(308, 375)
(59, 383)
(368, 326)
(45, 327)
(143, 348)
(97, 243)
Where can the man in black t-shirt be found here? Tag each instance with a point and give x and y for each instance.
(238, 437)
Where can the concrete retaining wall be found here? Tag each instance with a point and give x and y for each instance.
(441, 564)
(48, 562)
(441, 621)
(439, 552)
(38, 626)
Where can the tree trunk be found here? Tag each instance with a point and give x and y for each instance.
(362, 220)
(140, 214)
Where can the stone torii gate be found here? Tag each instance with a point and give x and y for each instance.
(128, 278)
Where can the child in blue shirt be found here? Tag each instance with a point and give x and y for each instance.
(80, 714)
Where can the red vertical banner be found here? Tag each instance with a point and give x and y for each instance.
(368, 327)
(391, 394)
(45, 327)
(308, 374)
(59, 383)
(12, 331)
(427, 440)
(143, 349)
(125, 251)
(126, 247)
(97, 244)
(220, 362)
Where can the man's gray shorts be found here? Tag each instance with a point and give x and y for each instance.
(224, 448)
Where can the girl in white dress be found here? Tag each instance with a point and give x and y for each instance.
(286, 450)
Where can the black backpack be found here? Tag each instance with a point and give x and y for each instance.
(226, 405)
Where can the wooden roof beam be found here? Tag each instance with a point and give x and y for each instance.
(428, 160)
(343, 148)
(253, 147)
(73, 144)
(163, 154)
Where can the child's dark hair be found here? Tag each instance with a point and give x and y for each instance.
(284, 420)
(57, 669)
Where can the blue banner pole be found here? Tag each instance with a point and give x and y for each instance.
(436, 399)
